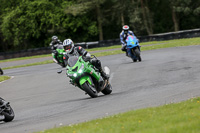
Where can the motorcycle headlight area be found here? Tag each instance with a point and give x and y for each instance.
(81, 69)
(72, 75)
(75, 74)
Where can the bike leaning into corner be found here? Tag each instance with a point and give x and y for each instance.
(85, 76)
(133, 48)
(6, 111)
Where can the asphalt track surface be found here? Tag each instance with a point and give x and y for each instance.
(43, 99)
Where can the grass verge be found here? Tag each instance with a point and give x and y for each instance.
(145, 46)
(181, 117)
(31, 64)
(24, 58)
(156, 45)
(2, 78)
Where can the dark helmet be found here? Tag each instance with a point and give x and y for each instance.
(68, 45)
(125, 28)
(54, 39)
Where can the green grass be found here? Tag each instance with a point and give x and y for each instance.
(31, 64)
(2, 78)
(24, 58)
(155, 45)
(145, 46)
(181, 117)
(103, 48)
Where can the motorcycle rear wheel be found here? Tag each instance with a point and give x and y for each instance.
(87, 88)
(107, 90)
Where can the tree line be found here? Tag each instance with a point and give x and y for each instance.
(26, 24)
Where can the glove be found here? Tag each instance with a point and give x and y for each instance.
(86, 58)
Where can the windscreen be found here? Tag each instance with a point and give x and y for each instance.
(72, 60)
(131, 40)
(60, 47)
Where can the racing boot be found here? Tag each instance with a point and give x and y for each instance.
(101, 84)
(55, 60)
(124, 49)
(55, 57)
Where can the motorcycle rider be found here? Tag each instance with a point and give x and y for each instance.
(54, 44)
(123, 35)
(71, 50)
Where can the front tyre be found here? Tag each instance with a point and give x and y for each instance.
(137, 53)
(107, 90)
(89, 90)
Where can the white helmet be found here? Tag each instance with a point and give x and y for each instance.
(68, 45)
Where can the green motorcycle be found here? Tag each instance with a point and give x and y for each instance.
(85, 76)
(60, 50)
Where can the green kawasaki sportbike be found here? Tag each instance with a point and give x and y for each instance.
(60, 50)
(85, 76)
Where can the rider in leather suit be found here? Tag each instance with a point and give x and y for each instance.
(54, 44)
(123, 35)
(71, 50)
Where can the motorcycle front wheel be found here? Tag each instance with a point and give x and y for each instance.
(89, 90)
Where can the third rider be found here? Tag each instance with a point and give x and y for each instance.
(54, 44)
(123, 35)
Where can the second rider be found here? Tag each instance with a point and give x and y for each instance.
(71, 50)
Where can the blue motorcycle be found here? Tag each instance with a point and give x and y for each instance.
(133, 48)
